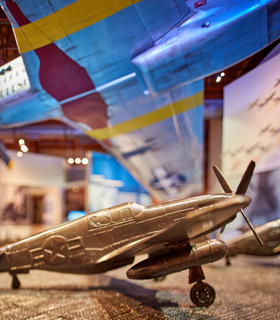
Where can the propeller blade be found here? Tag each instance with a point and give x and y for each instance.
(241, 189)
(223, 182)
(251, 226)
(245, 181)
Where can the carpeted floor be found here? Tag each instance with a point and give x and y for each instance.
(248, 289)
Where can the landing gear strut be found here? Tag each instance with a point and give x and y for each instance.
(202, 294)
(15, 282)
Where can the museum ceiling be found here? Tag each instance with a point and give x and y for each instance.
(67, 141)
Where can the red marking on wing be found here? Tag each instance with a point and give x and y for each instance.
(63, 78)
(16, 13)
(200, 3)
(90, 109)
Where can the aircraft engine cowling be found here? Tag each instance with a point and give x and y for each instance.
(178, 260)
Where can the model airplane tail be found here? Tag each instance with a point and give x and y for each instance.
(241, 189)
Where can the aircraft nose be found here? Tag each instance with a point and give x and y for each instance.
(131, 274)
(243, 200)
(247, 200)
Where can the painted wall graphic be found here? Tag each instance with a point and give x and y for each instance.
(264, 191)
(251, 126)
(15, 205)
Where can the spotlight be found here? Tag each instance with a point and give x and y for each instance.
(218, 79)
(24, 148)
(21, 142)
(70, 160)
(78, 160)
(75, 189)
(222, 74)
(85, 161)
(19, 154)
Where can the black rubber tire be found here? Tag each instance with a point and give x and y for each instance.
(202, 294)
(15, 282)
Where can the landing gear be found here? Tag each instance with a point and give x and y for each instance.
(227, 261)
(15, 282)
(202, 294)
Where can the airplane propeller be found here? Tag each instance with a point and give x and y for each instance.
(241, 189)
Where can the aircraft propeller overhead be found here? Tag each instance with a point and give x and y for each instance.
(112, 237)
(130, 74)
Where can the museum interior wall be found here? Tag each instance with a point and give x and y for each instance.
(32, 193)
(251, 131)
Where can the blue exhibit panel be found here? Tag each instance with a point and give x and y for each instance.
(106, 166)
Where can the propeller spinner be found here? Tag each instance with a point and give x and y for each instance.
(241, 189)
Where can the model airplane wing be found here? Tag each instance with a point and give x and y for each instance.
(194, 224)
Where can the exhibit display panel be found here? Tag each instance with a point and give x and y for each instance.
(251, 129)
(251, 132)
(109, 184)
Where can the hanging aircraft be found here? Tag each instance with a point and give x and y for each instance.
(112, 237)
(246, 244)
(129, 73)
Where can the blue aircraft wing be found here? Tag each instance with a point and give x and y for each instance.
(129, 73)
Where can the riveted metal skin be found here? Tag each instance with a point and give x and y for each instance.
(111, 238)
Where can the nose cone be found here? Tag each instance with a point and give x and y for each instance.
(131, 274)
(241, 200)
(247, 200)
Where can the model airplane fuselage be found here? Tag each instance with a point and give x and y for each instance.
(112, 237)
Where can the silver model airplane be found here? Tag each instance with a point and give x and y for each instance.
(111, 238)
(130, 75)
(246, 244)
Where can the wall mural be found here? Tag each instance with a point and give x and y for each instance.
(264, 190)
(251, 128)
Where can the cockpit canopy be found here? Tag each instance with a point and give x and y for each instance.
(117, 214)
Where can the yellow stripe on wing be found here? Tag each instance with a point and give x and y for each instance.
(148, 118)
(68, 20)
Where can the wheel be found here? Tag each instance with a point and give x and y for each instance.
(202, 294)
(15, 282)
(228, 261)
